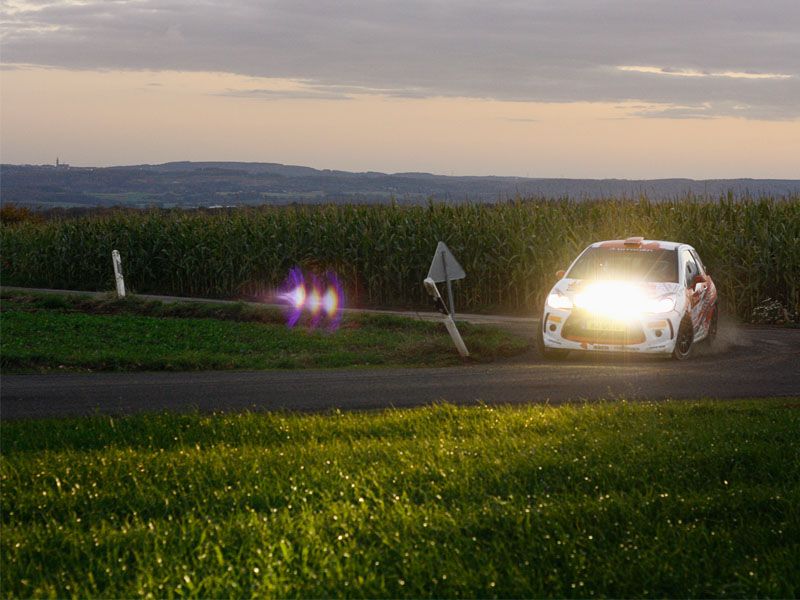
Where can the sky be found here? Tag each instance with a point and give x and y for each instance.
(568, 88)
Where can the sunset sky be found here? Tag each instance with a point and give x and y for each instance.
(573, 88)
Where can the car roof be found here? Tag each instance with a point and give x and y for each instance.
(634, 243)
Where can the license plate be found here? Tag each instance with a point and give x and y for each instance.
(604, 325)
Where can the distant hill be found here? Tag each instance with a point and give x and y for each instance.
(192, 184)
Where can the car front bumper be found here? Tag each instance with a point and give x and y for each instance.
(576, 330)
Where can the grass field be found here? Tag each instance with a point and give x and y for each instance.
(510, 251)
(697, 499)
(43, 331)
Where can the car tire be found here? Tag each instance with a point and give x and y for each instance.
(684, 344)
(549, 353)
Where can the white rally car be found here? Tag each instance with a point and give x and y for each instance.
(632, 295)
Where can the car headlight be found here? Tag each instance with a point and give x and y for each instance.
(621, 300)
(559, 301)
(659, 305)
(612, 299)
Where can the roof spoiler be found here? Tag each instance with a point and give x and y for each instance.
(633, 242)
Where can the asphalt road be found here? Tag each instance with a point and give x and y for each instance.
(746, 362)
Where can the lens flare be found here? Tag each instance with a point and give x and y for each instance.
(333, 300)
(293, 294)
(298, 297)
(314, 302)
(330, 301)
(320, 298)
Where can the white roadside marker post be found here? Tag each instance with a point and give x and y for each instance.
(433, 291)
(118, 273)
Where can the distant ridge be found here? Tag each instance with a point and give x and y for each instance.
(191, 184)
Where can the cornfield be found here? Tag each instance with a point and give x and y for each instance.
(510, 251)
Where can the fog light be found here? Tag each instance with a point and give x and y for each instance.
(552, 327)
(658, 333)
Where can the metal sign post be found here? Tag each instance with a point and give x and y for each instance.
(118, 273)
(445, 268)
(433, 291)
(449, 284)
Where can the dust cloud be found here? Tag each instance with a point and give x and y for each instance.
(730, 336)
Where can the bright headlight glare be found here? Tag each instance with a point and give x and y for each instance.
(621, 300)
(559, 300)
(611, 299)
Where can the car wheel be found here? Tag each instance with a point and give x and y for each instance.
(712, 326)
(549, 353)
(685, 342)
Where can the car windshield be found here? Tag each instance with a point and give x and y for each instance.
(627, 264)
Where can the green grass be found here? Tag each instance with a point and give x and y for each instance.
(43, 331)
(697, 499)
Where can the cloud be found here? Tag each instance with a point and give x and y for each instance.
(710, 110)
(692, 73)
(298, 94)
(718, 54)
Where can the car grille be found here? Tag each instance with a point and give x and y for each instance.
(576, 329)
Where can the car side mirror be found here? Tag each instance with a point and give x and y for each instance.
(698, 279)
(560, 273)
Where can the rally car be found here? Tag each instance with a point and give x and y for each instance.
(632, 295)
